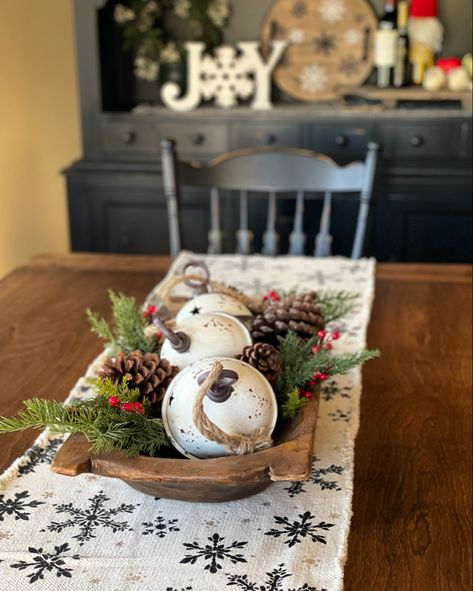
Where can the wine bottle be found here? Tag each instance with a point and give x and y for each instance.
(386, 44)
(402, 67)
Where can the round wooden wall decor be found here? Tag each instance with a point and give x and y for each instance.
(331, 45)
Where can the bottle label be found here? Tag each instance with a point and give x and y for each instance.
(385, 47)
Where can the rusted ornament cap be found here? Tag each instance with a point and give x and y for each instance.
(204, 335)
(240, 402)
(209, 303)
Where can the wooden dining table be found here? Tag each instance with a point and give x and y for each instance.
(411, 528)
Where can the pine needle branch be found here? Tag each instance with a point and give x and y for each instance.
(337, 304)
(128, 331)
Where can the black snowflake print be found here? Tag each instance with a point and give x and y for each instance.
(87, 519)
(45, 562)
(160, 527)
(39, 455)
(340, 416)
(318, 477)
(181, 589)
(325, 43)
(216, 551)
(349, 66)
(17, 506)
(300, 529)
(331, 389)
(274, 582)
(299, 9)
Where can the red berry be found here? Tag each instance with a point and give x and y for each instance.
(138, 407)
(308, 395)
(146, 314)
(152, 309)
(113, 401)
(322, 334)
(323, 377)
(316, 349)
(335, 335)
(159, 335)
(328, 347)
(126, 406)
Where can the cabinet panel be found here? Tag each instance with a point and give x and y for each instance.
(126, 138)
(342, 142)
(268, 135)
(415, 140)
(196, 138)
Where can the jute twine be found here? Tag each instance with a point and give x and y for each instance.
(238, 445)
(166, 291)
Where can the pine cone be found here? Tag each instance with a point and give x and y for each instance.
(149, 373)
(265, 358)
(298, 313)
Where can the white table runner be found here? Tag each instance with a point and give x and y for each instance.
(90, 533)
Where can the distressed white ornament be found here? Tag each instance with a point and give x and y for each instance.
(210, 303)
(243, 402)
(231, 73)
(201, 336)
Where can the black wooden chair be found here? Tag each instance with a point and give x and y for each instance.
(272, 171)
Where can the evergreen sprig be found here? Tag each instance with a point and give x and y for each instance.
(337, 304)
(106, 428)
(293, 404)
(129, 324)
(299, 364)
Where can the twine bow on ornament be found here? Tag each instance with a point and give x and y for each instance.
(238, 445)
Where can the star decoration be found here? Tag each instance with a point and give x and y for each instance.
(196, 311)
(325, 43)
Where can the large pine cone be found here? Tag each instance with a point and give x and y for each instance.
(301, 314)
(149, 373)
(265, 358)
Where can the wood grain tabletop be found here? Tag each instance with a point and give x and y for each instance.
(411, 528)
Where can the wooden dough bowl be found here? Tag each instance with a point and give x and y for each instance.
(203, 481)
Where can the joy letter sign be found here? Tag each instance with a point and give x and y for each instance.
(230, 74)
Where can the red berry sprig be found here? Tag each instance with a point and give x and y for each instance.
(149, 313)
(325, 340)
(272, 295)
(136, 407)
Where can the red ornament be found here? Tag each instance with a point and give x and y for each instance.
(113, 401)
(126, 406)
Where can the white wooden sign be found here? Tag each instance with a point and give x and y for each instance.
(230, 74)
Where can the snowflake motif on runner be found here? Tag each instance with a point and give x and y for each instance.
(274, 582)
(332, 11)
(215, 552)
(226, 77)
(54, 562)
(39, 455)
(339, 415)
(90, 518)
(313, 79)
(17, 506)
(160, 527)
(305, 528)
(331, 389)
(318, 477)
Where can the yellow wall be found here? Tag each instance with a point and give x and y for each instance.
(39, 126)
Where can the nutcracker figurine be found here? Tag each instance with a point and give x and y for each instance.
(426, 36)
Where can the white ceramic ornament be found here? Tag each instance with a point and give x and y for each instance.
(204, 335)
(209, 303)
(231, 73)
(241, 402)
